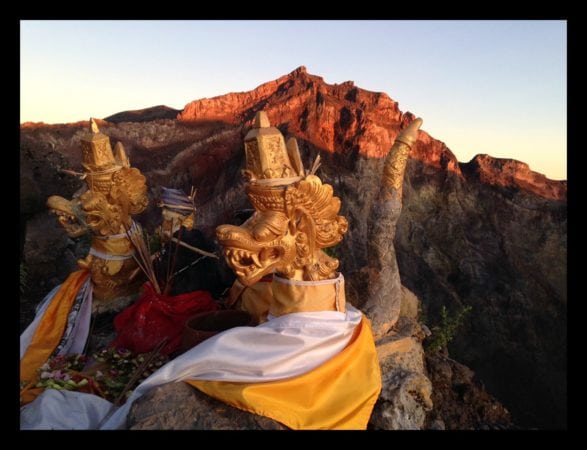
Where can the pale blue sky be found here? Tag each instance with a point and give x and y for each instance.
(496, 87)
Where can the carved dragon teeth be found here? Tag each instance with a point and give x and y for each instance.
(240, 258)
(62, 214)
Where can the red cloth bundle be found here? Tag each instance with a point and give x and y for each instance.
(153, 317)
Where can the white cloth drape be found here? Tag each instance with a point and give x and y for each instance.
(64, 410)
(283, 347)
(80, 324)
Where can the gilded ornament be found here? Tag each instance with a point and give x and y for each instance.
(296, 216)
(115, 192)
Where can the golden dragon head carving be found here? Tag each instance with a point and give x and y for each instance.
(114, 190)
(114, 193)
(296, 215)
(69, 214)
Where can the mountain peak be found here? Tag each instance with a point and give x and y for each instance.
(337, 118)
(513, 174)
(299, 71)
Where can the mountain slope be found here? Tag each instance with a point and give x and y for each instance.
(143, 115)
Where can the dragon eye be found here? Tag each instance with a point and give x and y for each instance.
(262, 232)
(269, 254)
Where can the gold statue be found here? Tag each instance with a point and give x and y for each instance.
(296, 216)
(115, 192)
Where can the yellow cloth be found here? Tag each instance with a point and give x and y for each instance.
(287, 296)
(117, 247)
(255, 299)
(49, 332)
(290, 296)
(339, 394)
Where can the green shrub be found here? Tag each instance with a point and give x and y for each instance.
(444, 333)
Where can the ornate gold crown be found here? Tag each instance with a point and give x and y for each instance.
(269, 161)
(271, 165)
(98, 159)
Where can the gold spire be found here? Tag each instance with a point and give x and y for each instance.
(120, 155)
(97, 154)
(94, 126)
(267, 158)
(98, 159)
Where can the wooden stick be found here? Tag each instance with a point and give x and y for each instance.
(145, 262)
(137, 373)
(169, 277)
(72, 172)
(194, 249)
(138, 269)
(168, 273)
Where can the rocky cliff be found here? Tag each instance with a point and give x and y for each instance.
(489, 233)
